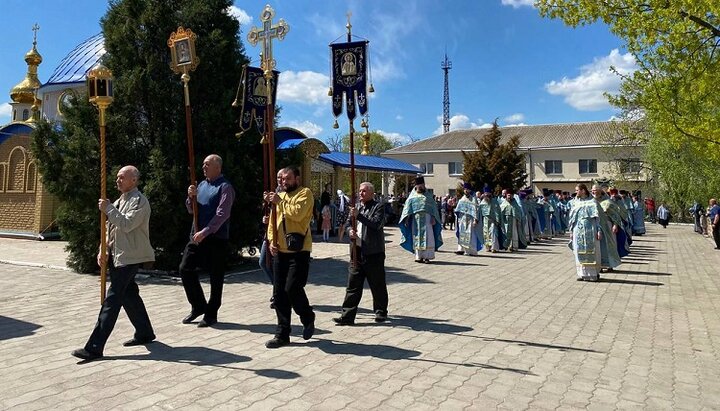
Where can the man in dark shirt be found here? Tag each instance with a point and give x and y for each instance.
(368, 241)
(209, 245)
(714, 214)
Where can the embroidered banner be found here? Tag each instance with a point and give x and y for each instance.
(254, 98)
(349, 76)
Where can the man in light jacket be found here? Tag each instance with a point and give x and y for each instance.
(128, 248)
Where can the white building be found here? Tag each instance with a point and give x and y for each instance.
(557, 156)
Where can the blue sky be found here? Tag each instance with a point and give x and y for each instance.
(507, 61)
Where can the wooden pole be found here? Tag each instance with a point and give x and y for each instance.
(270, 133)
(103, 217)
(353, 220)
(191, 149)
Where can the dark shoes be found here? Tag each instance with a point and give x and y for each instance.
(380, 317)
(86, 355)
(192, 316)
(207, 322)
(138, 341)
(459, 252)
(277, 342)
(309, 329)
(343, 321)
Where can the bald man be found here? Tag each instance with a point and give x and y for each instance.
(128, 235)
(208, 246)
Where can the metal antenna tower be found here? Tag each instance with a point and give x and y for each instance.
(446, 65)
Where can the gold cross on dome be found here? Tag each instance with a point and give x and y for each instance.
(35, 29)
(266, 36)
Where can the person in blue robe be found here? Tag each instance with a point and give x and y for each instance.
(468, 229)
(586, 235)
(420, 224)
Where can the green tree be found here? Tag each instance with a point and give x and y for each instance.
(497, 165)
(676, 46)
(146, 127)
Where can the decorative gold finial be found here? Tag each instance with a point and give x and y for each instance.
(348, 26)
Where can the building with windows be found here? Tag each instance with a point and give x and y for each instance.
(557, 156)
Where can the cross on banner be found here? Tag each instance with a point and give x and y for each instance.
(267, 34)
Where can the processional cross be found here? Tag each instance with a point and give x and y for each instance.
(266, 36)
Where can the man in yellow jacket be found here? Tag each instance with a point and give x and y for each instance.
(291, 255)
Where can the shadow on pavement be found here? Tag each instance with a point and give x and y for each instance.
(202, 356)
(12, 328)
(618, 281)
(268, 329)
(413, 323)
(533, 344)
(636, 272)
(388, 352)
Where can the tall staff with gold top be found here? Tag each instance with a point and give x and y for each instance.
(100, 94)
(184, 60)
(267, 64)
(350, 84)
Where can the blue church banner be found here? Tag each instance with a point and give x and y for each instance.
(349, 78)
(254, 98)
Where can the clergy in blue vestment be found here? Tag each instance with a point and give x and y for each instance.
(489, 212)
(468, 229)
(586, 234)
(609, 220)
(511, 221)
(638, 216)
(420, 224)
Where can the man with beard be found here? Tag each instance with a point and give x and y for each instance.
(291, 255)
(420, 224)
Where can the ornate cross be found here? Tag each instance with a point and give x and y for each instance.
(35, 29)
(266, 35)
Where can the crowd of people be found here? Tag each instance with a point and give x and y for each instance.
(707, 222)
(601, 221)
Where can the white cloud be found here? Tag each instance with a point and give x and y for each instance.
(308, 128)
(518, 3)
(395, 138)
(5, 112)
(515, 118)
(399, 117)
(306, 87)
(585, 92)
(460, 122)
(240, 14)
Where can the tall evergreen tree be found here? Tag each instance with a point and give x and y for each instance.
(146, 127)
(497, 165)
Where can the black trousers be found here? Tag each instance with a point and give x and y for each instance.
(291, 274)
(372, 269)
(123, 292)
(211, 254)
(716, 234)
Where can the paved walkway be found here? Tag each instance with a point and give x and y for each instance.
(509, 331)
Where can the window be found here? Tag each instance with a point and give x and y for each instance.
(426, 168)
(553, 167)
(588, 166)
(26, 115)
(630, 165)
(455, 168)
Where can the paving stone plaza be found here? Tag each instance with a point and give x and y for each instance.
(506, 331)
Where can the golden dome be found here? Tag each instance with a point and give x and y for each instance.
(24, 91)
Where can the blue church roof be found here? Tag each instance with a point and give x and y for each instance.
(371, 163)
(74, 67)
(12, 129)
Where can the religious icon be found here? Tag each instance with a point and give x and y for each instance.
(260, 90)
(348, 66)
(182, 48)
